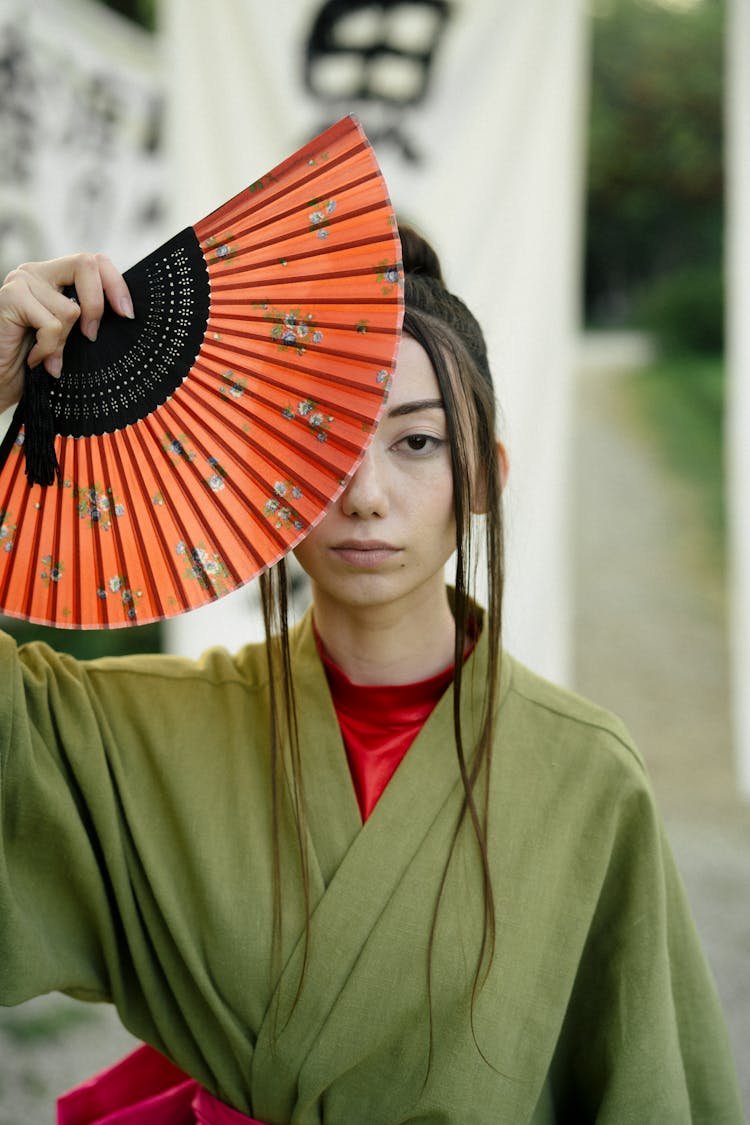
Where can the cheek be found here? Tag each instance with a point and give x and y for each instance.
(434, 493)
(307, 550)
(436, 510)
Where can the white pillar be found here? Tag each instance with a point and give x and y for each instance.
(737, 417)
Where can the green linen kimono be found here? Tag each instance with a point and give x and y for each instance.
(136, 868)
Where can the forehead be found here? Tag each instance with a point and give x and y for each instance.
(414, 377)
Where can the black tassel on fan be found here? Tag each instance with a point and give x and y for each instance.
(39, 424)
(34, 412)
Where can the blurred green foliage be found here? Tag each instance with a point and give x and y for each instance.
(87, 644)
(655, 168)
(140, 11)
(684, 310)
(655, 216)
(28, 1025)
(680, 398)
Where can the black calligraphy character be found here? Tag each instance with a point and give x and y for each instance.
(377, 52)
(19, 93)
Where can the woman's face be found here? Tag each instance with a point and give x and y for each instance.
(387, 538)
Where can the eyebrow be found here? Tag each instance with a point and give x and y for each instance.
(417, 405)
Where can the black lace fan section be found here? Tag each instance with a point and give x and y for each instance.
(136, 365)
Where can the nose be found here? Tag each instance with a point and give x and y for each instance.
(366, 495)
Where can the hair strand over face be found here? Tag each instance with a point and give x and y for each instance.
(454, 343)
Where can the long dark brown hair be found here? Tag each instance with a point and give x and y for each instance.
(455, 345)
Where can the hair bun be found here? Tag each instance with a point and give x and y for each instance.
(418, 255)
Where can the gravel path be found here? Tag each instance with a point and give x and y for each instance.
(650, 643)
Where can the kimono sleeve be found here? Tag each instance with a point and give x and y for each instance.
(644, 1038)
(56, 929)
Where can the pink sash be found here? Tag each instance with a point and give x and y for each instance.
(145, 1088)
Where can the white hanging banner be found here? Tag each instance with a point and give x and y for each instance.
(737, 413)
(80, 118)
(475, 109)
(80, 114)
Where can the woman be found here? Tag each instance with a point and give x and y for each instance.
(396, 877)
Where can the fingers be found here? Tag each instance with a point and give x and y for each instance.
(94, 277)
(115, 287)
(53, 316)
(32, 299)
(29, 301)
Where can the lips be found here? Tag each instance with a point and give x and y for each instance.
(365, 553)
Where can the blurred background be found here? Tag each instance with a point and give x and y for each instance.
(582, 167)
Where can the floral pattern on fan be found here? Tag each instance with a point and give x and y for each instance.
(221, 247)
(207, 568)
(278, 509)
(259, 185)
(53, 570)
(383, 377)
(97, 505)
(216, 481)
(291, 329)
(232, 387)
(318, 159)
(319, 217)
(309, 411)
(119, 586)
(177, 447)
(7, 531)
(388, 274)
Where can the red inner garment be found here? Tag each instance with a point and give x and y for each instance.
(379, 724)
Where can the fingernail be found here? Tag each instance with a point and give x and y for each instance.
(54, 365)
(126, 308)
(91, 330)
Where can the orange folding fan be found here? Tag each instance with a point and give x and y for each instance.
(200, 442)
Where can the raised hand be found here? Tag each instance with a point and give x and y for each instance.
(36, 316)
